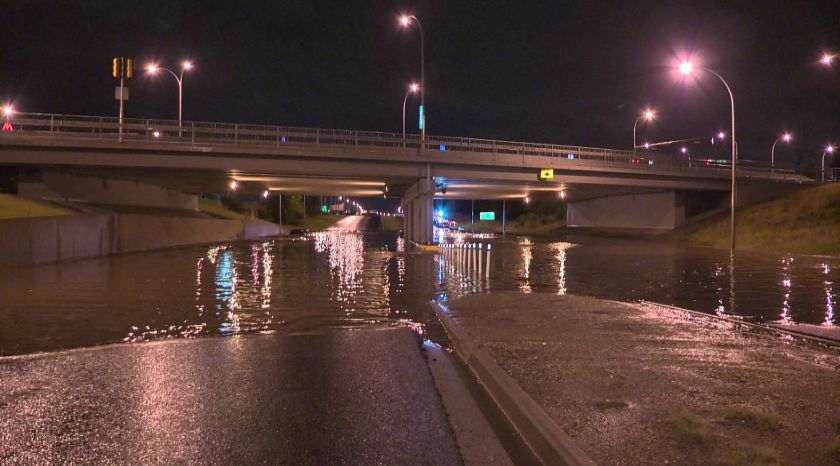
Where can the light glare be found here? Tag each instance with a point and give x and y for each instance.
(187, 65)
(826, 59)
(686, 67)
(404, 20)
(8, 110)
(233, 185)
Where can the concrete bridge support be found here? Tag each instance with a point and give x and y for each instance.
(417, 207)
(663, 211)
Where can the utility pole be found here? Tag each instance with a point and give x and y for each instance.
(123, 68)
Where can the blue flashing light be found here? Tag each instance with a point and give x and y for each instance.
(439, 213)
(570, 156)
(442, 148)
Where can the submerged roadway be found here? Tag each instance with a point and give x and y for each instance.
(334, 396)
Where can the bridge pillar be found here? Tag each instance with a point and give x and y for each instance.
(663, 211)
(418, 212)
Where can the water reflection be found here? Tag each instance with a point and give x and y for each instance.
(561, 265)
(787, 284)
(525, 247)
(347, 279)
(829, 304)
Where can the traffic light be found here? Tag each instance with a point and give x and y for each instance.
(122, 68)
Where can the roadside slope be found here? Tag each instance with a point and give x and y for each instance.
(803, 222)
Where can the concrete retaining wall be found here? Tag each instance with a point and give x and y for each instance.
(645, 211)
(47, 239)
(99, 190)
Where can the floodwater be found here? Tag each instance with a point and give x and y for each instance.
(352, 279)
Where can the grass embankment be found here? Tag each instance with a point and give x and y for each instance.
(803, 222)
(525, 224)
(15, 207)
(216, 209)
(390, 223)
(315, 222)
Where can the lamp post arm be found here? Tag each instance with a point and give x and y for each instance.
(634, 132)
(734, 160)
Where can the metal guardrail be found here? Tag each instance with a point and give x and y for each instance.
(196, 133)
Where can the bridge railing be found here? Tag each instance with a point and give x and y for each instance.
(197, 133)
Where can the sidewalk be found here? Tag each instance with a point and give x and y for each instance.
(642, 384)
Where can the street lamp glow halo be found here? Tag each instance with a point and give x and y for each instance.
(827, 59)
(8, 110)
(787, 137)
(686, 68)
(187, 65)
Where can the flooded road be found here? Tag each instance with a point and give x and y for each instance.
(340, 278)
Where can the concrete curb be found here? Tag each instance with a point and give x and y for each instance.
(768, 328)
(543, 436)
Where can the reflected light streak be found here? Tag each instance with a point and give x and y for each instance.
(561, 261)
(527, 255)
(829, 291)
(787, 285)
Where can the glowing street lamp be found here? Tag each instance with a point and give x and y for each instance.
(8, 111)
(647, 115)
(721, 135)
(233, 184)
(186, 65)
(786, 137)
(412, 89)
(828, 150)
(826, 59)
(405, 21)
(686, 68)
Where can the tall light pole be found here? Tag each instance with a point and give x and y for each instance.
(786, 137)
(686, 68)
(405, 20)
(186, 65)
(647, 115)
(828, 150)
(412, 89)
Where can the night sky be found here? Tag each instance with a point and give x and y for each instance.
(557, 72)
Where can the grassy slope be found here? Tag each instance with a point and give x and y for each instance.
(316, 222)
(216, 209)
(804, 222)
(526, 224)
(16, 207)
(391, 223)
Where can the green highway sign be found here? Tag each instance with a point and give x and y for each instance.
(487, 215)
(324, 209)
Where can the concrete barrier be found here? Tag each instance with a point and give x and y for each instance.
(37, 240)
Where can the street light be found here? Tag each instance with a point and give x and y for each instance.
(786, 137)
(186, 65)
(827, 59)
(406, 20)
(8, 110)
(412, 89)
(687, 68)
(721, 135)
(647, 115)
(828, 150)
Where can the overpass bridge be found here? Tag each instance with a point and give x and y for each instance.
(197, 157)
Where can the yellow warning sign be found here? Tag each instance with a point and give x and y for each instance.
(546, 173)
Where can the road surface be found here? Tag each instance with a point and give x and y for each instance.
(337, 397)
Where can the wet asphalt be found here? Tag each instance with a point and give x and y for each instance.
(336, 397)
